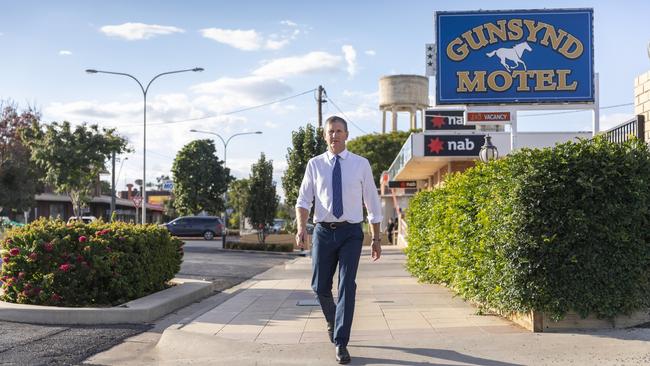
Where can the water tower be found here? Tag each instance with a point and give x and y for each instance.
(403, 93)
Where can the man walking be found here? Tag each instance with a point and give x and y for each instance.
(337, 181)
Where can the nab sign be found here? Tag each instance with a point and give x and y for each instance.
(453, 145)
(518, 56)
(441, 119)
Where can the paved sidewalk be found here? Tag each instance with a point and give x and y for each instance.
(397, 322)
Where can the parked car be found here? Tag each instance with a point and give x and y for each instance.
(206, 226)
(84, 219)
(278, 225)
(6, 222)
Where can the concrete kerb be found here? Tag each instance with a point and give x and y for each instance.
(143, 310)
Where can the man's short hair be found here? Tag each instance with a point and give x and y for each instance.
(337, 119)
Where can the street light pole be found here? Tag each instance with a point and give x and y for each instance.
(225, 194)
(144, 145)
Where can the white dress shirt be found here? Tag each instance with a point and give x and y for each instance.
(357, 184)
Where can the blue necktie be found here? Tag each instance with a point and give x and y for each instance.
(337, 189)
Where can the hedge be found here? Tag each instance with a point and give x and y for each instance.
(268, 247)
(49, 262)
(553, 230)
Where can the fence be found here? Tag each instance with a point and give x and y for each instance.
(623, 132)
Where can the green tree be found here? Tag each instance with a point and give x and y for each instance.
(306, 142)
(262, 201)
(169, 212)
(18, 175)
(105, 188)
(72, 158)
(200, 179)
(160, 180)
(238, 195)
(379, 149)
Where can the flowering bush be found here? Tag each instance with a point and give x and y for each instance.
(49, 262)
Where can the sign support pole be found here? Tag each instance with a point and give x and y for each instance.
(596, 106)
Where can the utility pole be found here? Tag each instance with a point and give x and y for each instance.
(320, 106)
(113, 189)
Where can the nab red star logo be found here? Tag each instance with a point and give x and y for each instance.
(436, 146)
(438, 121)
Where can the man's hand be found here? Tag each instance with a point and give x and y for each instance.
(301, 236)
(375, 248)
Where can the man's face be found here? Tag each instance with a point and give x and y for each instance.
(335, 136)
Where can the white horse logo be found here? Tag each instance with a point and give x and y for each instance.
(513, 54)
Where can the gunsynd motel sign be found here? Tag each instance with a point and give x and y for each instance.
(517, 56)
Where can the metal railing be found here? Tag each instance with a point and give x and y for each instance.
(626, 130)
(405, 154)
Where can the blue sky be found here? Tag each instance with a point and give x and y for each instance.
(255, 52)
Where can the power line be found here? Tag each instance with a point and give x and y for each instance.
(222, 114)
(574, 111)
(343, 113)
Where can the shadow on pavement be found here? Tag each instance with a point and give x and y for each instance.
(433, 353)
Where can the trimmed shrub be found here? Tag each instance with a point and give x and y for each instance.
(267, 247)
(49, 262)
(553, 230)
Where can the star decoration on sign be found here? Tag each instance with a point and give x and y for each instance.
(430, 63)
(438, 121)
(436, 146)
(429, 48)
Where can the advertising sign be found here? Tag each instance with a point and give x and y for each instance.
(518, 56)
(440, 119)
(453, 145)
(491, 118)
(402, 184)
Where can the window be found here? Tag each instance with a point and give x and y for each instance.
(57, 211)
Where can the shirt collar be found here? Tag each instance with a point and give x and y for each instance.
(343, 154)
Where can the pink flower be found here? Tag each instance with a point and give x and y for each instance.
(48, 247)
(55, 298)
(65, 267)
(104, 232)
(6, 259)
(14, 252)
(33, 256)
(9, 241)
(83, 239)
(21, 275)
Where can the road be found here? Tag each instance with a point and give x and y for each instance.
(28, 344)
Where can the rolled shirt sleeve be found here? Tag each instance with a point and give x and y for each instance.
(370, 196)
(306, 191)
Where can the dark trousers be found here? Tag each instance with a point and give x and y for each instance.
(332, 247)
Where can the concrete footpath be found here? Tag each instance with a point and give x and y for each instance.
(398, 321)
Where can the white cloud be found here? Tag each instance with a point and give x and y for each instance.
(370, 52)
(289, 23)
(309, 63)
(138, 31)
(65, 53)
(276, 44)
(608, 121)
(252, 89)
(350, 58)
(270, 124)
(252, 40)
(246, 40)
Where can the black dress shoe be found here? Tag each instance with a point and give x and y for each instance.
(330, 331)
(342, 355)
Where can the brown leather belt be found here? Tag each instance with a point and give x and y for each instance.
(333, 225)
